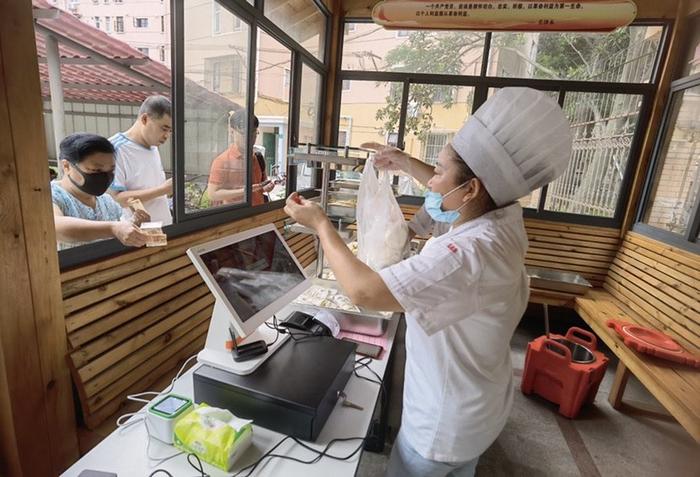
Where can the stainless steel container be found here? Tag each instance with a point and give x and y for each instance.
(365, 322)
(366, 325)
(579, 353)
(549, 279)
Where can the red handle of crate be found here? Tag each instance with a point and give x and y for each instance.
(575, 334)
(565, 354)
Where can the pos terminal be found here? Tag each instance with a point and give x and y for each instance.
(289, 386)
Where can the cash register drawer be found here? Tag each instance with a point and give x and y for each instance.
(293, 392)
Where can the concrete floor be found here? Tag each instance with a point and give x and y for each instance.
(537, 441)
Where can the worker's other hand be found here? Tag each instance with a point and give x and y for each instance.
(140, 216)
(129, 234)
(267, 186)
(305, 212)
(388, 157)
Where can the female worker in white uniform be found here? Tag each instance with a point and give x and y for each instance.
(465, 293)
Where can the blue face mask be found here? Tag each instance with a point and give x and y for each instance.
(433, 205)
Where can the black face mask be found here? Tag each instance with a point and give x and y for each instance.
(95, 183)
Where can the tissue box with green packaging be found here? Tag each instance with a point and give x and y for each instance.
(215, 435)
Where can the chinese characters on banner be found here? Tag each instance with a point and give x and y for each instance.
(583, 15)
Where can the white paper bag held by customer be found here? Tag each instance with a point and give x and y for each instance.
(382, 232)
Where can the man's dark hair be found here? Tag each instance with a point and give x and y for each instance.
(156, 107)
(239, 119)
(78, 146)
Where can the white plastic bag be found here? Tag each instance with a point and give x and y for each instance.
(382, 233)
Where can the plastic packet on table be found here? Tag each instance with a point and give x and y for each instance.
(215, 435)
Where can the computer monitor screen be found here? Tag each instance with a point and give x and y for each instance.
(253, 273)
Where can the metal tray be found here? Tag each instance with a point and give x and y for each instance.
(548, 279)
(378, 315)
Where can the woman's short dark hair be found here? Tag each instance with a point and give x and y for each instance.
(464, 172)
(78, 146)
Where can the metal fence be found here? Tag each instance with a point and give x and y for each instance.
(603, 127)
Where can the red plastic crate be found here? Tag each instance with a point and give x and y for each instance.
(551, 373)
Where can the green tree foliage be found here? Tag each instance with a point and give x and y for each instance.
(432, 53)
(569, 56)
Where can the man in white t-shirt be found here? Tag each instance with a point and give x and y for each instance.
(465, 293)
(139, 171)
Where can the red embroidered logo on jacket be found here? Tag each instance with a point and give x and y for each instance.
(452, 247)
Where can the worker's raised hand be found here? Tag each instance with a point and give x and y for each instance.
(129, 234)
(388, 157)
(305, 212)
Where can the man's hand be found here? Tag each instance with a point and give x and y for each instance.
(388, 157)
(267, 186)
(167, 187)
(129, 234)
(305, 212)
(140, 216)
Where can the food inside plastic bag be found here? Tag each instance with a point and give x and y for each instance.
(382, 233)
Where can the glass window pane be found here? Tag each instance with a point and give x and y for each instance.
(364, 115)
(603, 126)
(301, 20)
(677, 182)
(369, 111)
(216, 88)
(692, 57)
(369, 47)
(309, 120)
(435, 113)
(272, 110)
(625, 55)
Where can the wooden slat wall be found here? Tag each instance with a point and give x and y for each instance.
(661, 285)
(133, 318)
(586, 250)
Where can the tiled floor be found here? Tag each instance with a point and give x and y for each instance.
(600, 442)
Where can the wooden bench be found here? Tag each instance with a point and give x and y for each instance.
(657, 286)
(636, 280)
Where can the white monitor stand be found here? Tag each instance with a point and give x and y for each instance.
(215, 353)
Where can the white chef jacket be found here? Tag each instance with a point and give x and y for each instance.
(463, 297)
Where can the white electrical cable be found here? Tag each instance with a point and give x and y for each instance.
(121, 424)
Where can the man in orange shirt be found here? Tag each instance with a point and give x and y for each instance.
(227, 176)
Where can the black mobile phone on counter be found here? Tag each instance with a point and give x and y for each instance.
(366, 349)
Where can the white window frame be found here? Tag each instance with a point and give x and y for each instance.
(216, 18)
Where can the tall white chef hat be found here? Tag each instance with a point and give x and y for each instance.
(516, 142)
